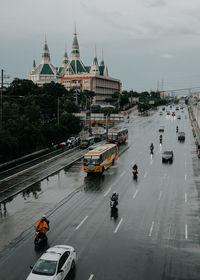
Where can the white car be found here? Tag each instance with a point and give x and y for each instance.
(71, 141)
(54, 264)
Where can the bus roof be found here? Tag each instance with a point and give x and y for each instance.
(101, 149)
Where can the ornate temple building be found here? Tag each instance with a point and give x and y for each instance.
(73, 74)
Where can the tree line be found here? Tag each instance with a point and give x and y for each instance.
(34, 116)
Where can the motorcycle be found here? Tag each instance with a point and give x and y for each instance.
(40, 238)
(135, 174)
(160, 140)
(177, 129)
(151, 150)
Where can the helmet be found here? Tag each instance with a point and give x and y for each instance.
(44, 216)
(114, 193)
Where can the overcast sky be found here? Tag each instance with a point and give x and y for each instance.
(144, 41)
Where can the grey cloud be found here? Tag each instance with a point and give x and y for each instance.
(155, 3)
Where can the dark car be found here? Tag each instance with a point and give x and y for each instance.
(161, 129)
(167, 156)
(181, 136)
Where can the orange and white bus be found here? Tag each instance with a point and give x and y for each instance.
(101, 158)
(118, 136)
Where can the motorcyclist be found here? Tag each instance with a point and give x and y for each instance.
(135, 167)
(177, 128)
(161, 138)
(115, 196)
(43, 226)
(151, 147)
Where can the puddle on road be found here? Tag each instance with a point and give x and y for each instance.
(24, 209)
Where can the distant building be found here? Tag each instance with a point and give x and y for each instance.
(74, 75)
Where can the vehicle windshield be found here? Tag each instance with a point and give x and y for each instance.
(112, 136)
(45, 267)
(91, 159)
(167, 152)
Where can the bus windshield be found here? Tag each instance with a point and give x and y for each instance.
(91, 159)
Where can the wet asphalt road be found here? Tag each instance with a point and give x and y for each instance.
(154, 234)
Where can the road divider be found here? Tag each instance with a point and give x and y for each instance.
(145, 174)
(135, 194)
(107, 192)
(186, 231)
(185, 197)
(115, 231)
(81, 223)
(151, 228)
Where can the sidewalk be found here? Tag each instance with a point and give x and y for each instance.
(195, 129)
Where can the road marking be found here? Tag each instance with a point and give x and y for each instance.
(185, 177)
(145, 175)
(91, 277)
(118, 225)
(122, 173)
(185, 197)
(107, 192)
(186, 231)
(151, 229)
(81, 222)
(160, 195)
(134, 196)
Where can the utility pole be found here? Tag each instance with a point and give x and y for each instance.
(158, 85)
(107, 127)
(58, 111)
(162, 85)
(1, 97)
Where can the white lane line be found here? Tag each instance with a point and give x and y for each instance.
(81, 222)
(122, 173)
(118, 225)
(151, 229)
(160, 195)
(134, 196)
(185, 197)
(186, 231)
(91, 277)
(185, 177)
(145, 175)
(107, 192)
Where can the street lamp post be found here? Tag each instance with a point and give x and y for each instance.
(90, 125)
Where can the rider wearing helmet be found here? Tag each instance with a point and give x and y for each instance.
(135, 167)
(151, 147)
(43, 225)
(115, 196)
